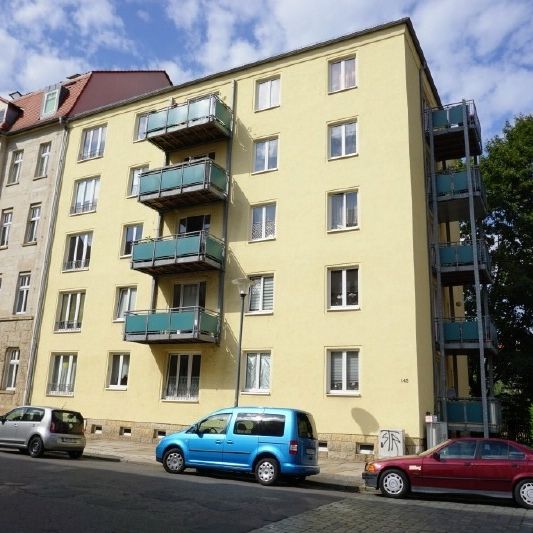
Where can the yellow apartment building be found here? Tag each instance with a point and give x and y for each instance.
(307, 175)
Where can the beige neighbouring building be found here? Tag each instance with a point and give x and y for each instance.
(304, 173)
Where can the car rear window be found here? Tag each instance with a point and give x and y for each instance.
(306, 426)
(68, 422)
(266, 425)
(272, 425)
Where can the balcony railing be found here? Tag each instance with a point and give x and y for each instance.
(183, 184)
(183, 324)
(183, 389)
(457, 262)
(83, 207)
(467, 413)
(455, 182)
(197, 121)
(68, 325)
(461, 334)
(193, 251)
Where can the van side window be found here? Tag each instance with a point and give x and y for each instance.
(272, 425)
(214, 424)
(246, 424)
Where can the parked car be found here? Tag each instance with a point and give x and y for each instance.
(40, 429)
(492, 467)
(268, 442)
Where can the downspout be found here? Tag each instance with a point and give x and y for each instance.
(43, 284)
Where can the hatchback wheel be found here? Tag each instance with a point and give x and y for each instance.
(394, 484)
(523, 493)
(173, 461)
(267, 471)
(36, 447)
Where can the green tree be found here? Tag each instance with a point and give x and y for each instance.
(507, 170)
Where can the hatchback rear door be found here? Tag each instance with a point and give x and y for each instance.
(307, 439)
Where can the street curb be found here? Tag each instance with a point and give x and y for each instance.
(103, 457)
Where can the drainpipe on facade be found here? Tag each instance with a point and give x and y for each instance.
(28, 389)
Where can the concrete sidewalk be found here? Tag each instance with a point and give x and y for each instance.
(334, 474)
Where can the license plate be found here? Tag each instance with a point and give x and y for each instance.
(310, 451)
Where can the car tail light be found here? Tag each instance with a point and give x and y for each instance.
(293, 447)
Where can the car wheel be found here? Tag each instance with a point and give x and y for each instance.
(173, 461)
(267, 471)
(523, 493)
(75, 454)
(394, 484)
(36, 447)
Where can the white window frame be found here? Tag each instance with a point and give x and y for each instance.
(134, 180)
(141, 126)
(344, 295)
(85, 186)
(342, 84)
(85, 240)
(11, 368)
(260, 281)
(130, 295)
(257, 387)
(264, 167)
(46, 97)
(75, 300)
(262, 209)
(5, 228)
(344, 390)
(271, 96)
(41, 170)
(343, 226)
(23, 290)
(87, 140)
(16, 167)
(138, 229)
(123, 363)
(32, 226)
(189, 396)
(68, 373)
(343, 139)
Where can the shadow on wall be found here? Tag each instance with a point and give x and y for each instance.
(368, 424)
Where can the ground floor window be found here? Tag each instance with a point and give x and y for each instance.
(257, 372)
(62, 374)
(183, 377)
(343, 372)
(11, 367)
(119, 365)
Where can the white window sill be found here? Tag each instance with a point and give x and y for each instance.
(262, 240)
(343, 230)
(59, 393)
(264, 171)
(67, 270)
(119, 320)
(256, 392)
(140, 139)
(32, 243)
(8, 391)
(67, 330)
(251, 313)
(177, 400)
(125, 256)
(117, 387)
(83, 159)
(82, 213)
(345, 308)
(343, 90)
(267, 108)
(4, 247)
(40, 177)
(343, 393)
(346, 156)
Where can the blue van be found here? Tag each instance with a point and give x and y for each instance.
(266, 441)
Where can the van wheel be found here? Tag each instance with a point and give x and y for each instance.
(394, 484)
(523, 493)
(75, 454)
(267, 471)
(36, 447)
(173, 461)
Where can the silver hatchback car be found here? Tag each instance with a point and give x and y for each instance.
(39, 429)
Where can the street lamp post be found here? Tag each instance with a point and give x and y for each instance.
(243, 284)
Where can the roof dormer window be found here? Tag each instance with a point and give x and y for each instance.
(50, 101)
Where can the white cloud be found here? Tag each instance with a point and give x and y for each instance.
(175, 71)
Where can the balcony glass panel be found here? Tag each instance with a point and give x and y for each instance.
(470, 411)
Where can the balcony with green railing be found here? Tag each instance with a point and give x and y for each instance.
(183, 185)
(447, 125)
(461, 335)
(466, 414)
(189, 252)
(172, 326)
(201, 120)
(457, 263)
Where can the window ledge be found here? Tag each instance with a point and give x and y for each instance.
(12, 183)
(82, 213)
(346, 308)
(67, 330)
(35, 178)
(5, 247)
(9, 392)
(252, 313)
(332, 394)
(116, 387)
(347, 156)
(32, 243)
(139, 140)
(343, 90)
(256, 392)
(83, 159)
(264, 171)
(126, 256)
(342, 230)
(119, 321)
(177, 400)
(60, 394)
(262, 240)
(267, 108)
(66, 271)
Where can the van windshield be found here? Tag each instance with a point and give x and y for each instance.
(306, 426)
(68, 422)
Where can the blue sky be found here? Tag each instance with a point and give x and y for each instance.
(480, 49)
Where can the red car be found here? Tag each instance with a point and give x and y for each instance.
(492, 467)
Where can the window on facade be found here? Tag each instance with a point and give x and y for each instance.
(257, 372)
(7, 219)
(78, 251)
(11, 368)
(343, 288)
(34, 216)
(23, 289)
(342, 74)
(342, 210)
(343, 371)
(342, 139)
(43, 158)
(189, 295)
(135, 180)
(263, 222)
(16, 167)
(126, 297)
(119, 366)
(62, 374)
(194, 223)
(70, 311)
(131, 233)
(50, 102)
(261, 293)
(93, 143)
(183, 377)
(266, 155)
(141, 125)
(85, 195)
(267, 94)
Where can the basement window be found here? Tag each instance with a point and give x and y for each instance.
(125, 432)
(159, 433)
(96, 430)
(365, 449)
